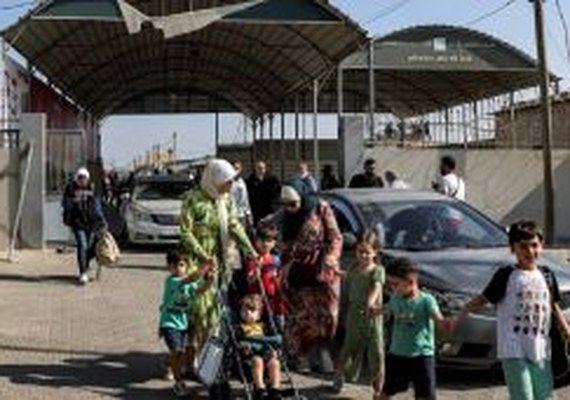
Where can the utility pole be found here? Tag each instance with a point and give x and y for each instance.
(549, 219)
(175, 144)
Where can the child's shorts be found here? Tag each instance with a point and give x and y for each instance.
(401, 371)
(175, 340)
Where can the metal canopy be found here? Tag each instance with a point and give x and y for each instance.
(418, 70)
(248, 61)
(429, 68)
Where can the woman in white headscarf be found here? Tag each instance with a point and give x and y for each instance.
(209, 227)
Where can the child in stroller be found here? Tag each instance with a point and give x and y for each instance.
(259, 348)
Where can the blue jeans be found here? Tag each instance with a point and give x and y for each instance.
(85, 241)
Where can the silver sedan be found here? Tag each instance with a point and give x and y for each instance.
(456, 247)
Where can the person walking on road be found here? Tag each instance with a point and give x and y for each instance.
(82, 212)
(367, 179)
(532, 331)
(179, 291)
(364, 337)
(209, 229)
(263, 189)
(415, 314)
(449, 183)
(311, 245)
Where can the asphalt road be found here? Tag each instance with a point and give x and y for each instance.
(62, 341)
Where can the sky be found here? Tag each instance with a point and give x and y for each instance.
(126, 137)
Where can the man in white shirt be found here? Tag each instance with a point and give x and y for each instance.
(241, 197)
(393, 182)
(450, 184)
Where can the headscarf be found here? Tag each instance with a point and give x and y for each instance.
(292, 223)
(82, 172)
(217, 172)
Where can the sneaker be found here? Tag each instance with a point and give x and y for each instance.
(259, 394)
(83, 279)
(274, 394)
(338, 383)
(180, 389)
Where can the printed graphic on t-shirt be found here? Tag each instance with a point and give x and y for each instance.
(180, 300)
(531, 312)
(407, 318)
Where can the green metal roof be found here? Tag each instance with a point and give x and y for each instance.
(286, 10)
(295, 11)
(429, 68)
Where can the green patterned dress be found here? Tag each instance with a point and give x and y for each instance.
(200, 240)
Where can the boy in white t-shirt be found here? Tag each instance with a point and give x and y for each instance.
(449, 183)
(527, 298)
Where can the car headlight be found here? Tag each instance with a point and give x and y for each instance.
(140, 215)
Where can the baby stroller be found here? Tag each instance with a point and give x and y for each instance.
(221, 358)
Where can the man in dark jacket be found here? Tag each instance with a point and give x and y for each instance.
(329, 180)
(82, 212)
(264, 190)
(368, 179)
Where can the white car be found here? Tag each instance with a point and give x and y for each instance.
(152, 214)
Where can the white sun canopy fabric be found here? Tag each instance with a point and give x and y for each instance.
(182, 23)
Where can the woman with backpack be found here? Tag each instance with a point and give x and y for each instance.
(311, 245)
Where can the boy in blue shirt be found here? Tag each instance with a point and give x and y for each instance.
(412, 351)
(179, 292)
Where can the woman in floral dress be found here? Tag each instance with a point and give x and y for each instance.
(311, 244)
(209, 225)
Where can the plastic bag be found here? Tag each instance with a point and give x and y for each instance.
(106, 250)
(210, 361)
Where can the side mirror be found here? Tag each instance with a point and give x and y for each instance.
(348, 240)
(381, 232)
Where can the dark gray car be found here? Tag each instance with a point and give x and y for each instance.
(457, 248)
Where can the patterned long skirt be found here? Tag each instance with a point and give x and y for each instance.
(312, 317)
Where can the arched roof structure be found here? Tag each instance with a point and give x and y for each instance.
(137, 56)
(429, 68)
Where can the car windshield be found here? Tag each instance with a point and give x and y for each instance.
(162, 190)
(432, 225)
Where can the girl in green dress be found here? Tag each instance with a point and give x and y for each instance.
(209, 231)
(364, 330)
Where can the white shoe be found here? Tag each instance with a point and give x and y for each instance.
(83, 278)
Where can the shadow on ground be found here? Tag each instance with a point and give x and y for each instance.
(129, 375)
(59, 279)
(122, 376)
